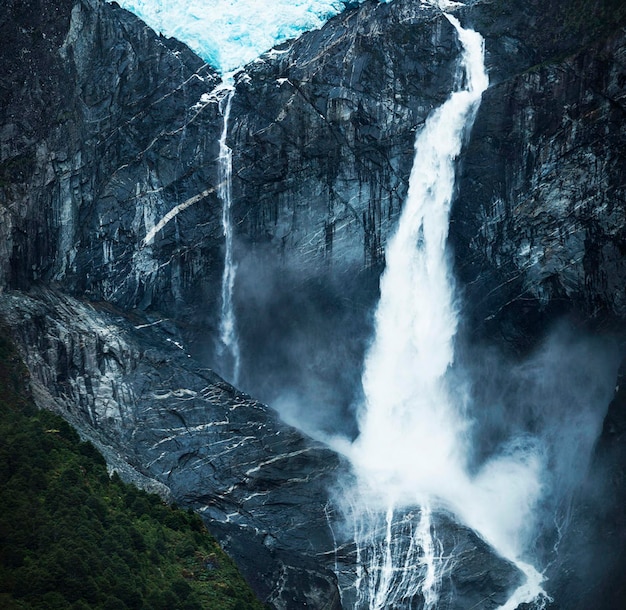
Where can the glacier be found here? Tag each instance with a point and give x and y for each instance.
(230, 33)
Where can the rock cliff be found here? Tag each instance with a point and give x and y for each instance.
(111, 245)
(539, 221)
(104, 133)
(178, 429)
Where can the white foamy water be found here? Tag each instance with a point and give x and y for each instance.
(397, 559)
(414, 428)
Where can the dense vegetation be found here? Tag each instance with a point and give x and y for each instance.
(71, 537)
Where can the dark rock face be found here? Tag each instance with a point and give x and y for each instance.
(320, 172)
(540, 218)
(591, 555)
(108, 147)
(103, 133)
(538, 233)
(321, 166)
(180, 430)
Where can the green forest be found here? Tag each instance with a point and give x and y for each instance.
(72, 537)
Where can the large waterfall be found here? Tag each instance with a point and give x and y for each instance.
(414, 424)
(417, 423)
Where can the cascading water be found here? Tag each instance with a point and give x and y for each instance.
(397, 559)
(229, 342)
(414, 427)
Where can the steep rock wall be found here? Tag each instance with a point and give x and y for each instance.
(176, 428)
(323, 132)
(108, 129)
(539, 220)
(321, 164)
(104, 133)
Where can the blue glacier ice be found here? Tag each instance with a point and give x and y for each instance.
(230, 33)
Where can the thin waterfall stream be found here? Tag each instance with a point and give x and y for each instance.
(414, 427)
(229, 341)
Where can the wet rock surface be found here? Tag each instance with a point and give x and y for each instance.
(108, 174)
(321, 165)
(104, 133)
(470, 575)
(539, 222)
(176, 428)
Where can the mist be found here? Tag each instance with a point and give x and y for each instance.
(303, 334)
(429, 424)
(507, 457)
(549, 404)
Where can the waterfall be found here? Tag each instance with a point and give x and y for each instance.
(229, 342)
(397, 559)
(414, 424)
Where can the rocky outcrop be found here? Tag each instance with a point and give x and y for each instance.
(362, 565)
(173, 427)
(321, 166)
(265, 490)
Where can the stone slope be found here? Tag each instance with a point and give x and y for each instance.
(178, 429)
(174, 427)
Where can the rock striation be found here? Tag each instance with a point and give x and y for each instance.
(178, 429)
(539, 221)
(321, 166)
(175, 428)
